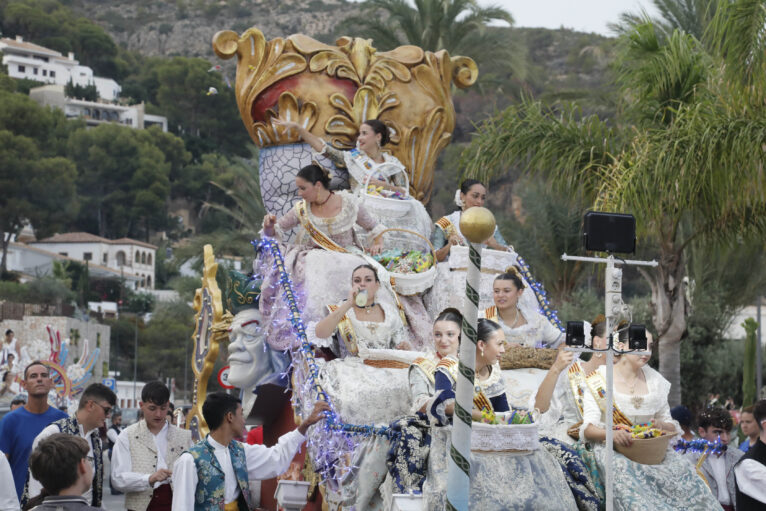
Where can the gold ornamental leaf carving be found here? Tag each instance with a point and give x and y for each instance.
(334, 63)
(288, 109)
(421, 147)
(260, 65)
(367, 105)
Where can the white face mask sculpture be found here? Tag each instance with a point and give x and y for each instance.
(249, 361)
(246, 338)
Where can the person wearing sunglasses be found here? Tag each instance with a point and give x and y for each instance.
(96, 404)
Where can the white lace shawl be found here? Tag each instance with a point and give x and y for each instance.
(536, 330)
(369, 335)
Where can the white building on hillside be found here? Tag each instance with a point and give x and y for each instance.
(96, 112)
(27, 60)
(123, 256)
(31, 61)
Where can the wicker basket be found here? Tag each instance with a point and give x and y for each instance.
(504, 437)
(521, 357)
(647, 451)
(393, 207)
(407, 284)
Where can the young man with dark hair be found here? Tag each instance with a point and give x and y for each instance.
(19, 428)
(145, 452)
(214, 473)
(9, 347)
(751, 469)
(17, 402)
(718, 469)
(61, 463)
(96, 403)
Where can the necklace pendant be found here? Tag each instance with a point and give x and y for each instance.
(637, 401)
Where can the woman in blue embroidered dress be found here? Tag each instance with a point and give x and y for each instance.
(490, 346)
(446, 340)
(641, 394)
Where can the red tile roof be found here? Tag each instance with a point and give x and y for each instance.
(30, 47)
(86, 237)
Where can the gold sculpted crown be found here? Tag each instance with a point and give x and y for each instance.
(331, 90)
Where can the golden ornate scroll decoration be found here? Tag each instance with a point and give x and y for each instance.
(211, 328)
(331, 90)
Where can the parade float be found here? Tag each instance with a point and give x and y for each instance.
(69, 371)
(265, 321)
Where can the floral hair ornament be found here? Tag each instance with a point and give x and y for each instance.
(458, 201)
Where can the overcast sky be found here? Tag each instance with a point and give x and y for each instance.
(581, 15)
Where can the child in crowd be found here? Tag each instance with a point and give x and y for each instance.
(60, 462)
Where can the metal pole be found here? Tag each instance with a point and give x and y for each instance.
(608, 313)
(758, 352)
(135, 360)
(459, 469)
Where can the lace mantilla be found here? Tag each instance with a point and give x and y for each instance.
(504, 437)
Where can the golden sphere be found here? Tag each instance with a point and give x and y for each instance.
(477, 224)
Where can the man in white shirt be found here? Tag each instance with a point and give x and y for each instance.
(214, 473)
(718, 467)
(145, 452)
(96, 404)
(8, 499)
(750, 472)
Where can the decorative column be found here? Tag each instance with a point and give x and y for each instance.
(477, 225)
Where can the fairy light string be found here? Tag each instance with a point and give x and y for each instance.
(335, 439)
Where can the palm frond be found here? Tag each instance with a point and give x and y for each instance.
(738, 34)
(660, 75)
(575, 149)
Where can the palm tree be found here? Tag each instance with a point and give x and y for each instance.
(690, 16)
(458, 26)
(685, 159)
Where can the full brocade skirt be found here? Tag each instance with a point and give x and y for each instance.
(500, 481)
(671, 485)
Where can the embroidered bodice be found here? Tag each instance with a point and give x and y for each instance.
(637, 408)
(373, 335)
(339, 228)
(535, 332)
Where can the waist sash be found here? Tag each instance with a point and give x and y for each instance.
(346, 332)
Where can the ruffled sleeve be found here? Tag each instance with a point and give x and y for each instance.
(662, 386)
(367, 222)
(555, 411)
(438, 238)
(551, 336)
(329, 342)
(335, 155)
(287, 222)
(419, 389)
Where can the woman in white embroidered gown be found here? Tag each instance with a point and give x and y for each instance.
(641, 394)
(559, 399)
(449, 287)
(366, 385)
(323, 250)
(522, 323)
(385, 172)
